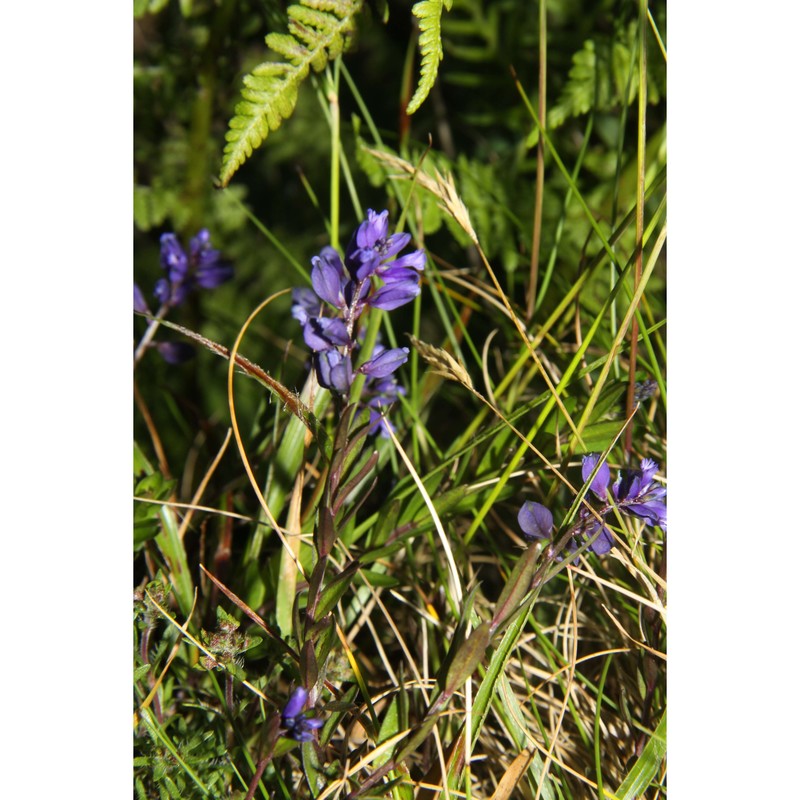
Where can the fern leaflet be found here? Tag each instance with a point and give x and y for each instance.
(318, 33)
(429, 13)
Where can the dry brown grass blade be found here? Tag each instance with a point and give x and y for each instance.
(512, 776)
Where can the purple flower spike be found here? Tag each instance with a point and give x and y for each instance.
(202, 267)
(535, 520)
(346, 287)
(385, 363)
(600, 483)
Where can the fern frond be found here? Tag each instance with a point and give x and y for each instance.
(429, 13)
(318, 33)
(602, 77)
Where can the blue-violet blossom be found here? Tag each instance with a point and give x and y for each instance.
(342, 291)
(201, 267)
(299, 726)
(634, 492)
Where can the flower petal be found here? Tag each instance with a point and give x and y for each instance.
(394, 295)
(603, 543)
(305, 304)
(652, 511)
(327, 276)
(322, 333)
(600, 483)
(295, 703)
(139, 303)
(535, 520)
(649, 469)
(173, 258)
(212, 275)
(385, 363)
(175, 352)
(334, 371)
(415, 261)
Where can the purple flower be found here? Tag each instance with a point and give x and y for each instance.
(322, 333)
(206, 264)
(634, 491)
(299, 726)
(139, 303)
(384, 363)
(202, 267)
(345, 289)
(600, 483)
(371, 245)
(173, 258)
(328, 278)
(305, 304)
(604, 542)
(393, 295)
(334, 370)
(175, 352)
(535, 520)
(637, 493)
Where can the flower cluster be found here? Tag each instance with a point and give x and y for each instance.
(299, 726)
(634, 492)
(201, 267)
(342, 291)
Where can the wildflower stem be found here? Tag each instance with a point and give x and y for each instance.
(150, 333)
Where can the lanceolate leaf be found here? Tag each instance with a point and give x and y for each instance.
(429, 13)
(318, 31)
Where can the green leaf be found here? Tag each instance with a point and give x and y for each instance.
(168, 541)
(429, 13)
(646, 766)
(147, 516)
(390, 725)
(469, 655)
(333, 592)
(517, 586)
(379, 579)
(318, 32)
(577, 96)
